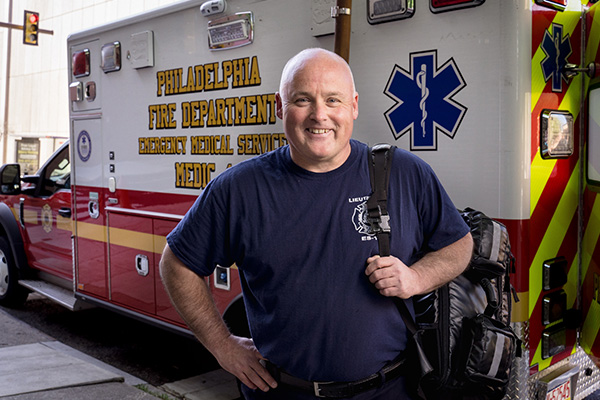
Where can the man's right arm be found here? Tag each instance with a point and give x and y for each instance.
(191, 297)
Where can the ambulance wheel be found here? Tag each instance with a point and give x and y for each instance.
(11, 293)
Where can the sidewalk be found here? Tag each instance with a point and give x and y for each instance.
(34, 366)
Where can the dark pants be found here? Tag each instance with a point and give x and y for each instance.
(393, 390)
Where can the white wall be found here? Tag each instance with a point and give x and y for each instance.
(38, 102)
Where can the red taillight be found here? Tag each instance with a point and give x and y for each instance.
(448, 5)
(81, 63)
(559, 5)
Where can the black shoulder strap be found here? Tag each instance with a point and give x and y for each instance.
(380, 162)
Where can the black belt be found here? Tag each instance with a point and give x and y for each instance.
(337, 390)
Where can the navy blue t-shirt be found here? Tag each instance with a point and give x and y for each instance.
(301, 243)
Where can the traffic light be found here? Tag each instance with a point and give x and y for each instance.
(30, 28)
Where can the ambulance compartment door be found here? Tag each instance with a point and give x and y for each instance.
(90, 218)
(590, 199)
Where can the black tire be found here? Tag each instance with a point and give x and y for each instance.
(11, 293)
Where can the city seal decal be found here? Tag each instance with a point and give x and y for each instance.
(84, 146)
(424, 97)
(47, 218)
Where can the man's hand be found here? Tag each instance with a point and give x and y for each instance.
(239, 356)
(392, 277)
(191, 297)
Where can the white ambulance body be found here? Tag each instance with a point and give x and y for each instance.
(483, 90)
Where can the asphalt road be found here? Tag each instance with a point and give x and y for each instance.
(152, 354)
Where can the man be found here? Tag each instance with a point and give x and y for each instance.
(317, 295)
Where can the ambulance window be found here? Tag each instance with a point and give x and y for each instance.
(593, 147)
(57, 174)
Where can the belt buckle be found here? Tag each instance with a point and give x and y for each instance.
(317, 388)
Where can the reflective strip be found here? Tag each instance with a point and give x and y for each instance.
(498, 351)
(496, 243)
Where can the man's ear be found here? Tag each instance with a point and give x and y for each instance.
(279, 105)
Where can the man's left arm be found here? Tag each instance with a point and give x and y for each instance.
(394, 278)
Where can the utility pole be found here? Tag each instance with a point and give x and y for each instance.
(342, 13)
(7, 86)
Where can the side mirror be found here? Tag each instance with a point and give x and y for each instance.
(10, 179)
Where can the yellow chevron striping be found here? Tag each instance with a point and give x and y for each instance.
(542, 169)
(537, 359)
(593, 38)
(590, 236)
(591, 325)
(590, 328)
(554, 236)
(540, 173)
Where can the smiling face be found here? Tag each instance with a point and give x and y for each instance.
(318, 105)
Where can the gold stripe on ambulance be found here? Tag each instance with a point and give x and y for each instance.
(29, 216)
(63, 223)
(91, 231)
(122, 237)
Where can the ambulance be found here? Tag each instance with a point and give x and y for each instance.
(500, 97)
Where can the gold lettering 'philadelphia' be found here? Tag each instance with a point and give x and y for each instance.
(212, 76)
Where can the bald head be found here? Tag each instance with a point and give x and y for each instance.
(318, 104)
(300, 60)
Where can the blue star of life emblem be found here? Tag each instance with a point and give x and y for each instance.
(557, 49)
(424, 100)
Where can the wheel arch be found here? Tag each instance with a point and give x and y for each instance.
(235, 317)
(10, 229)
